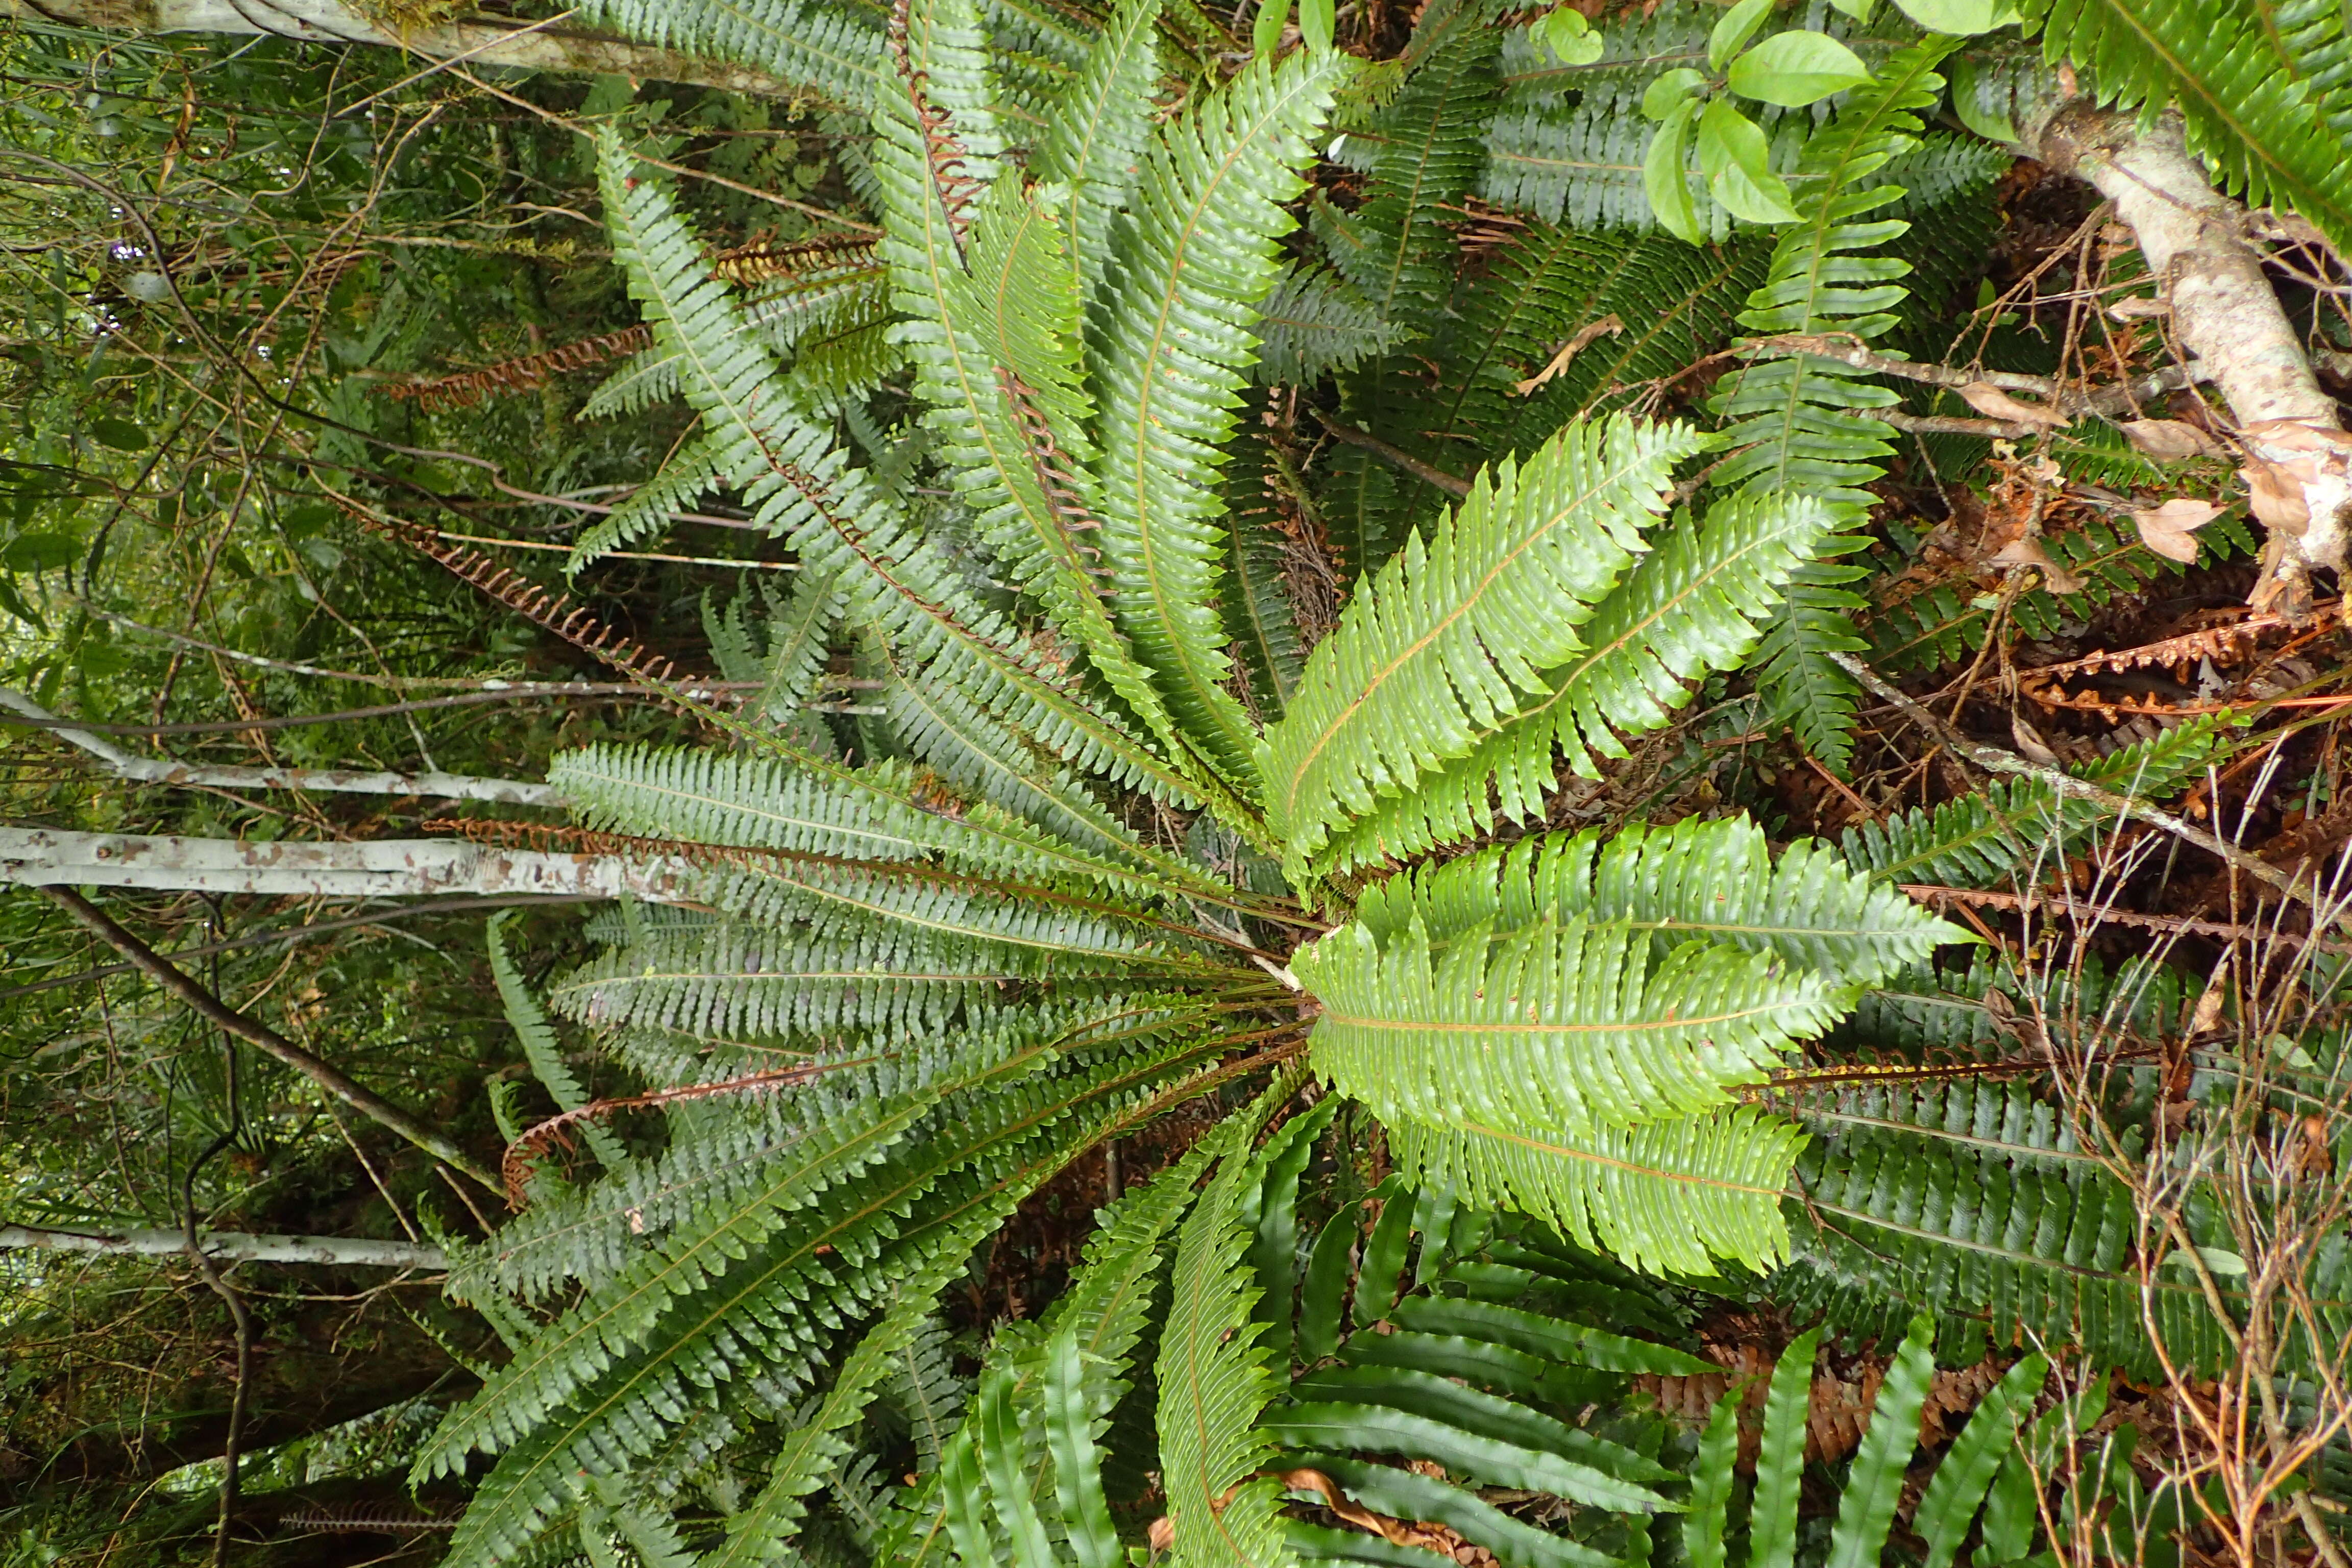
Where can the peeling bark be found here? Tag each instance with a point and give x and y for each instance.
(382, 869)
(483, 43)
(231, 1247)
(2224, 314)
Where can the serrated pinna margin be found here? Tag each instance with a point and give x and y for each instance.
(1054, 476)
(763, 261)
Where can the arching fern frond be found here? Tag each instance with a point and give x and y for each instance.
(1193, 258)
(1451, 636)
(1557, 1024)
(1698, 881)
(1668, 1196)
(1693, 604)
(1804, 421)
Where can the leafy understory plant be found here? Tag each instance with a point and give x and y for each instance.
(1117, 833)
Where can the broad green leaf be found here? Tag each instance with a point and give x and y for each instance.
(1667, 180)
(1731, 34)
(1737, 163)
(1795, 69)
(1265, 38)
(1670, 91)
(1962, 18)
(1317, 19)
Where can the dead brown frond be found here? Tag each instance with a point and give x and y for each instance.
(525, 372)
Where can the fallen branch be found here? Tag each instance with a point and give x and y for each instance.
(1849, 350)
(2226, 316)
(153, 770)
(230, 1247)
(2075, 909)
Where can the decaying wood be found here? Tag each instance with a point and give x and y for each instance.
(383, 869)
(229, 1247)
(2225, 315)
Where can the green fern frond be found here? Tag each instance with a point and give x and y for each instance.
(817, 1446)
(685, 477)
(784, 313)
(880, 812)
(1883, 1215)
(1558, 1025)
(1693, 604)
(1259, 616)
(941, 726)
(540, 1046)
(1021, 925)
(731, 984)
(1698, 881)
(1944, 625)
(833, 517)
(1582, 168)
(1317, 323)
(1671, 304)
(1423, 156)
(1095, 138)
(2259, 130)
(1805, 422)
(1212, 1374)
(831, 50)
(1874, 1480)
(1193, 258)
(751, 1293)
(1450, 637)
(1668, 1196)
(1984, 840)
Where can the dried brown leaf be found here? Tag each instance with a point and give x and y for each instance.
(2026, 550)
(2169, 440)
(1994, 403)
(2170, 530)
(1607, 326)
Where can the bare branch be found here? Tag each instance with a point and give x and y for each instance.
(264, 1039)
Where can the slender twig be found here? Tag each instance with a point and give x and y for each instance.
(1393, 456)
(262, 1037)
(383, 711)
(2088, 914)
(1994, 760)
(340, 780)
(303, 933)
(1852, 350)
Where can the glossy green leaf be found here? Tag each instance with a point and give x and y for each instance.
(1737, 163)
(1795, 69)
(1572, 1345)
(1731, 34)
(1325, 1297)
(1665, 179)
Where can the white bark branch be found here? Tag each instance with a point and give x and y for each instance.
(230, 1247)
(486, 42)
(382, 869)
(2226, 314)
(152, 770)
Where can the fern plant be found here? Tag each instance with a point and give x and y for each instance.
(1127, 819)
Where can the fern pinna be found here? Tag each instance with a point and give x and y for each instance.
(1196, 761)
